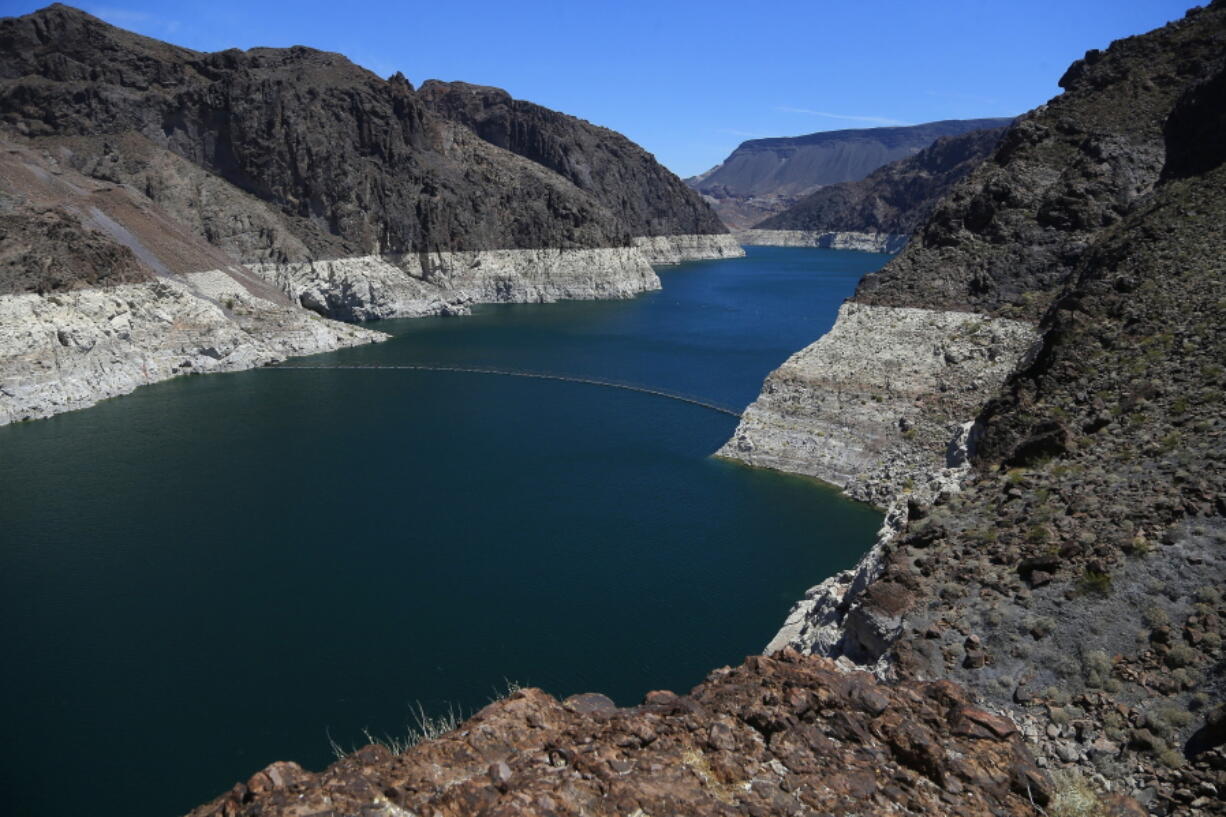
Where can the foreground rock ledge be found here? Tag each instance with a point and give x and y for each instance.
(781, 735)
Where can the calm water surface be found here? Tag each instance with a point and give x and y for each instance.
(217, 572)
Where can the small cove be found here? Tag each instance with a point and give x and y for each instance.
(217, 572)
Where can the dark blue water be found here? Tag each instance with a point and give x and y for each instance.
(216, 572)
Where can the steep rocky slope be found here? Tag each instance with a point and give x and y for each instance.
(649, 201)
(101, 292)
(766, 176)
(883, 209)
(1062, 556)
(297, 178)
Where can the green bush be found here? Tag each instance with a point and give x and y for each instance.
(1096, 583)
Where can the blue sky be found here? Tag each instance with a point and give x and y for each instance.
(690, 80)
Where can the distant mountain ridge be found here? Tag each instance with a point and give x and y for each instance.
(765, 176)
(893, 201)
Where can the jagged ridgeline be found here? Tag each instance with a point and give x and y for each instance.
(238, 187)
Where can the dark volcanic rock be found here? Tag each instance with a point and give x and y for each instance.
(331, 160)
(1007, 236)
(777, 736)
(1086, 553)
(896, 198)
(648, 199)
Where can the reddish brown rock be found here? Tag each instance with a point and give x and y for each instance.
(783, 735)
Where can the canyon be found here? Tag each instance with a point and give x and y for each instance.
(1030, 391)
(246, 201)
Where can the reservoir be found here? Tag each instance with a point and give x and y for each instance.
(217, 572)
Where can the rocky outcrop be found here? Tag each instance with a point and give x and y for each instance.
(893, 200)
(1068, 574)
(295, 156)
(872, 405)
(101, 292)
(767, 176)
(68, 350)
(775, 736)
(861, 241)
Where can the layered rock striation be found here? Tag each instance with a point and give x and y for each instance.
(826, 240)
(874, 429)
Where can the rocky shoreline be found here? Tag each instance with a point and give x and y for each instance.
(68, 350)
(873, 405)
(662, 250)
(863, 242)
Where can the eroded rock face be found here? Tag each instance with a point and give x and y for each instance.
(764, 177)
(781, 735)
(872, 405)
(646, 198)
(249, 189)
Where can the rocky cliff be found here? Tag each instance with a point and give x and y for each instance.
(1056, 509)
(889, 204)
(763, 177)
(649, 201)
(304, 181)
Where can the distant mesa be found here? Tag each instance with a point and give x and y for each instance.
(763, 177)
(881, 211)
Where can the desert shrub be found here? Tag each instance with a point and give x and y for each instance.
(1154, 616)
(1137, 546)
(1208, 594)
(1171, 758)
(1040, 627)
(1095, 583)
(1056, 695)
(1073, 796)
(1037, 535)
(1181, 655)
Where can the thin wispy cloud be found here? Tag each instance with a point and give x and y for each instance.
(744, 133)
(876, 120)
